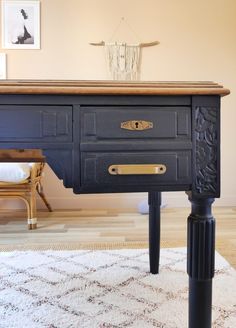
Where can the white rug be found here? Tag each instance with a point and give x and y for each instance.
(104, 289)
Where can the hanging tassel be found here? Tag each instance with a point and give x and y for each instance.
(123, 61)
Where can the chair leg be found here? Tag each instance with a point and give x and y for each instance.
(26, 199)
(42, 195)
(32, 221)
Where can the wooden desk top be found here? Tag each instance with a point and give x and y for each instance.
(110, 88)
(21, 155)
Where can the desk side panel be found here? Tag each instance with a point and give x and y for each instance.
(206, 146)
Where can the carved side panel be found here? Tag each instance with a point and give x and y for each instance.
(206, 142)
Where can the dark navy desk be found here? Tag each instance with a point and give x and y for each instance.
(102, 137)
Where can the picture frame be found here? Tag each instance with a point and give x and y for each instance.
(3, 66)
(21, 24)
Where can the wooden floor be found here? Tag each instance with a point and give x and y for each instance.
(110, 226)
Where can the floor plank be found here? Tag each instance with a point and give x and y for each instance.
(112, 226)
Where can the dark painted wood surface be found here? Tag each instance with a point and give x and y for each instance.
(78, 126)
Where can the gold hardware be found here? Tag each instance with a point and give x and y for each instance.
(136, 125)
(131, 169)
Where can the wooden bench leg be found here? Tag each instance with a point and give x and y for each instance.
(42, 195)
(32, 223)
(154, 201)
(32, 220)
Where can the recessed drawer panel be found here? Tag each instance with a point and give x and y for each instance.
(135, 123)
(36, 123)
(136, 168)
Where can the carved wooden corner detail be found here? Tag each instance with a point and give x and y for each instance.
(206, 151)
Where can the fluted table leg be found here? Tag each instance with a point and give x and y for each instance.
(201, 258)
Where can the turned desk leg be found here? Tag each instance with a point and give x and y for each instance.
(154, 201)
(200, 262)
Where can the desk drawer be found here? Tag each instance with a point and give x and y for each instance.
(36, 123)
(135, 122)
(96, 166)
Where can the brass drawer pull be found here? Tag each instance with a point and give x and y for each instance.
(138, 125)
(131, 169)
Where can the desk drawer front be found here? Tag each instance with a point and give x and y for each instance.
(40, 123)
(96, 167)
(135, 123)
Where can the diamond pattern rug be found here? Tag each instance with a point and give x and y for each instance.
(105, 289)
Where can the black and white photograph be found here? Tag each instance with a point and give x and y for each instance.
(20, 24)
(3, 66)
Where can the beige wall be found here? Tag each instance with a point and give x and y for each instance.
(197, 42)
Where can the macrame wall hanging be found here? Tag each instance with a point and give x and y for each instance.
(123, 59)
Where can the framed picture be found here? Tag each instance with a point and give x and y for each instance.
(3, 66)
(20, 24)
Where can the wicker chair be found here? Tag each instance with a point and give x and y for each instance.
(26, 190)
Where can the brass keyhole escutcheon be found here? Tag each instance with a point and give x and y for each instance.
(136, 125)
